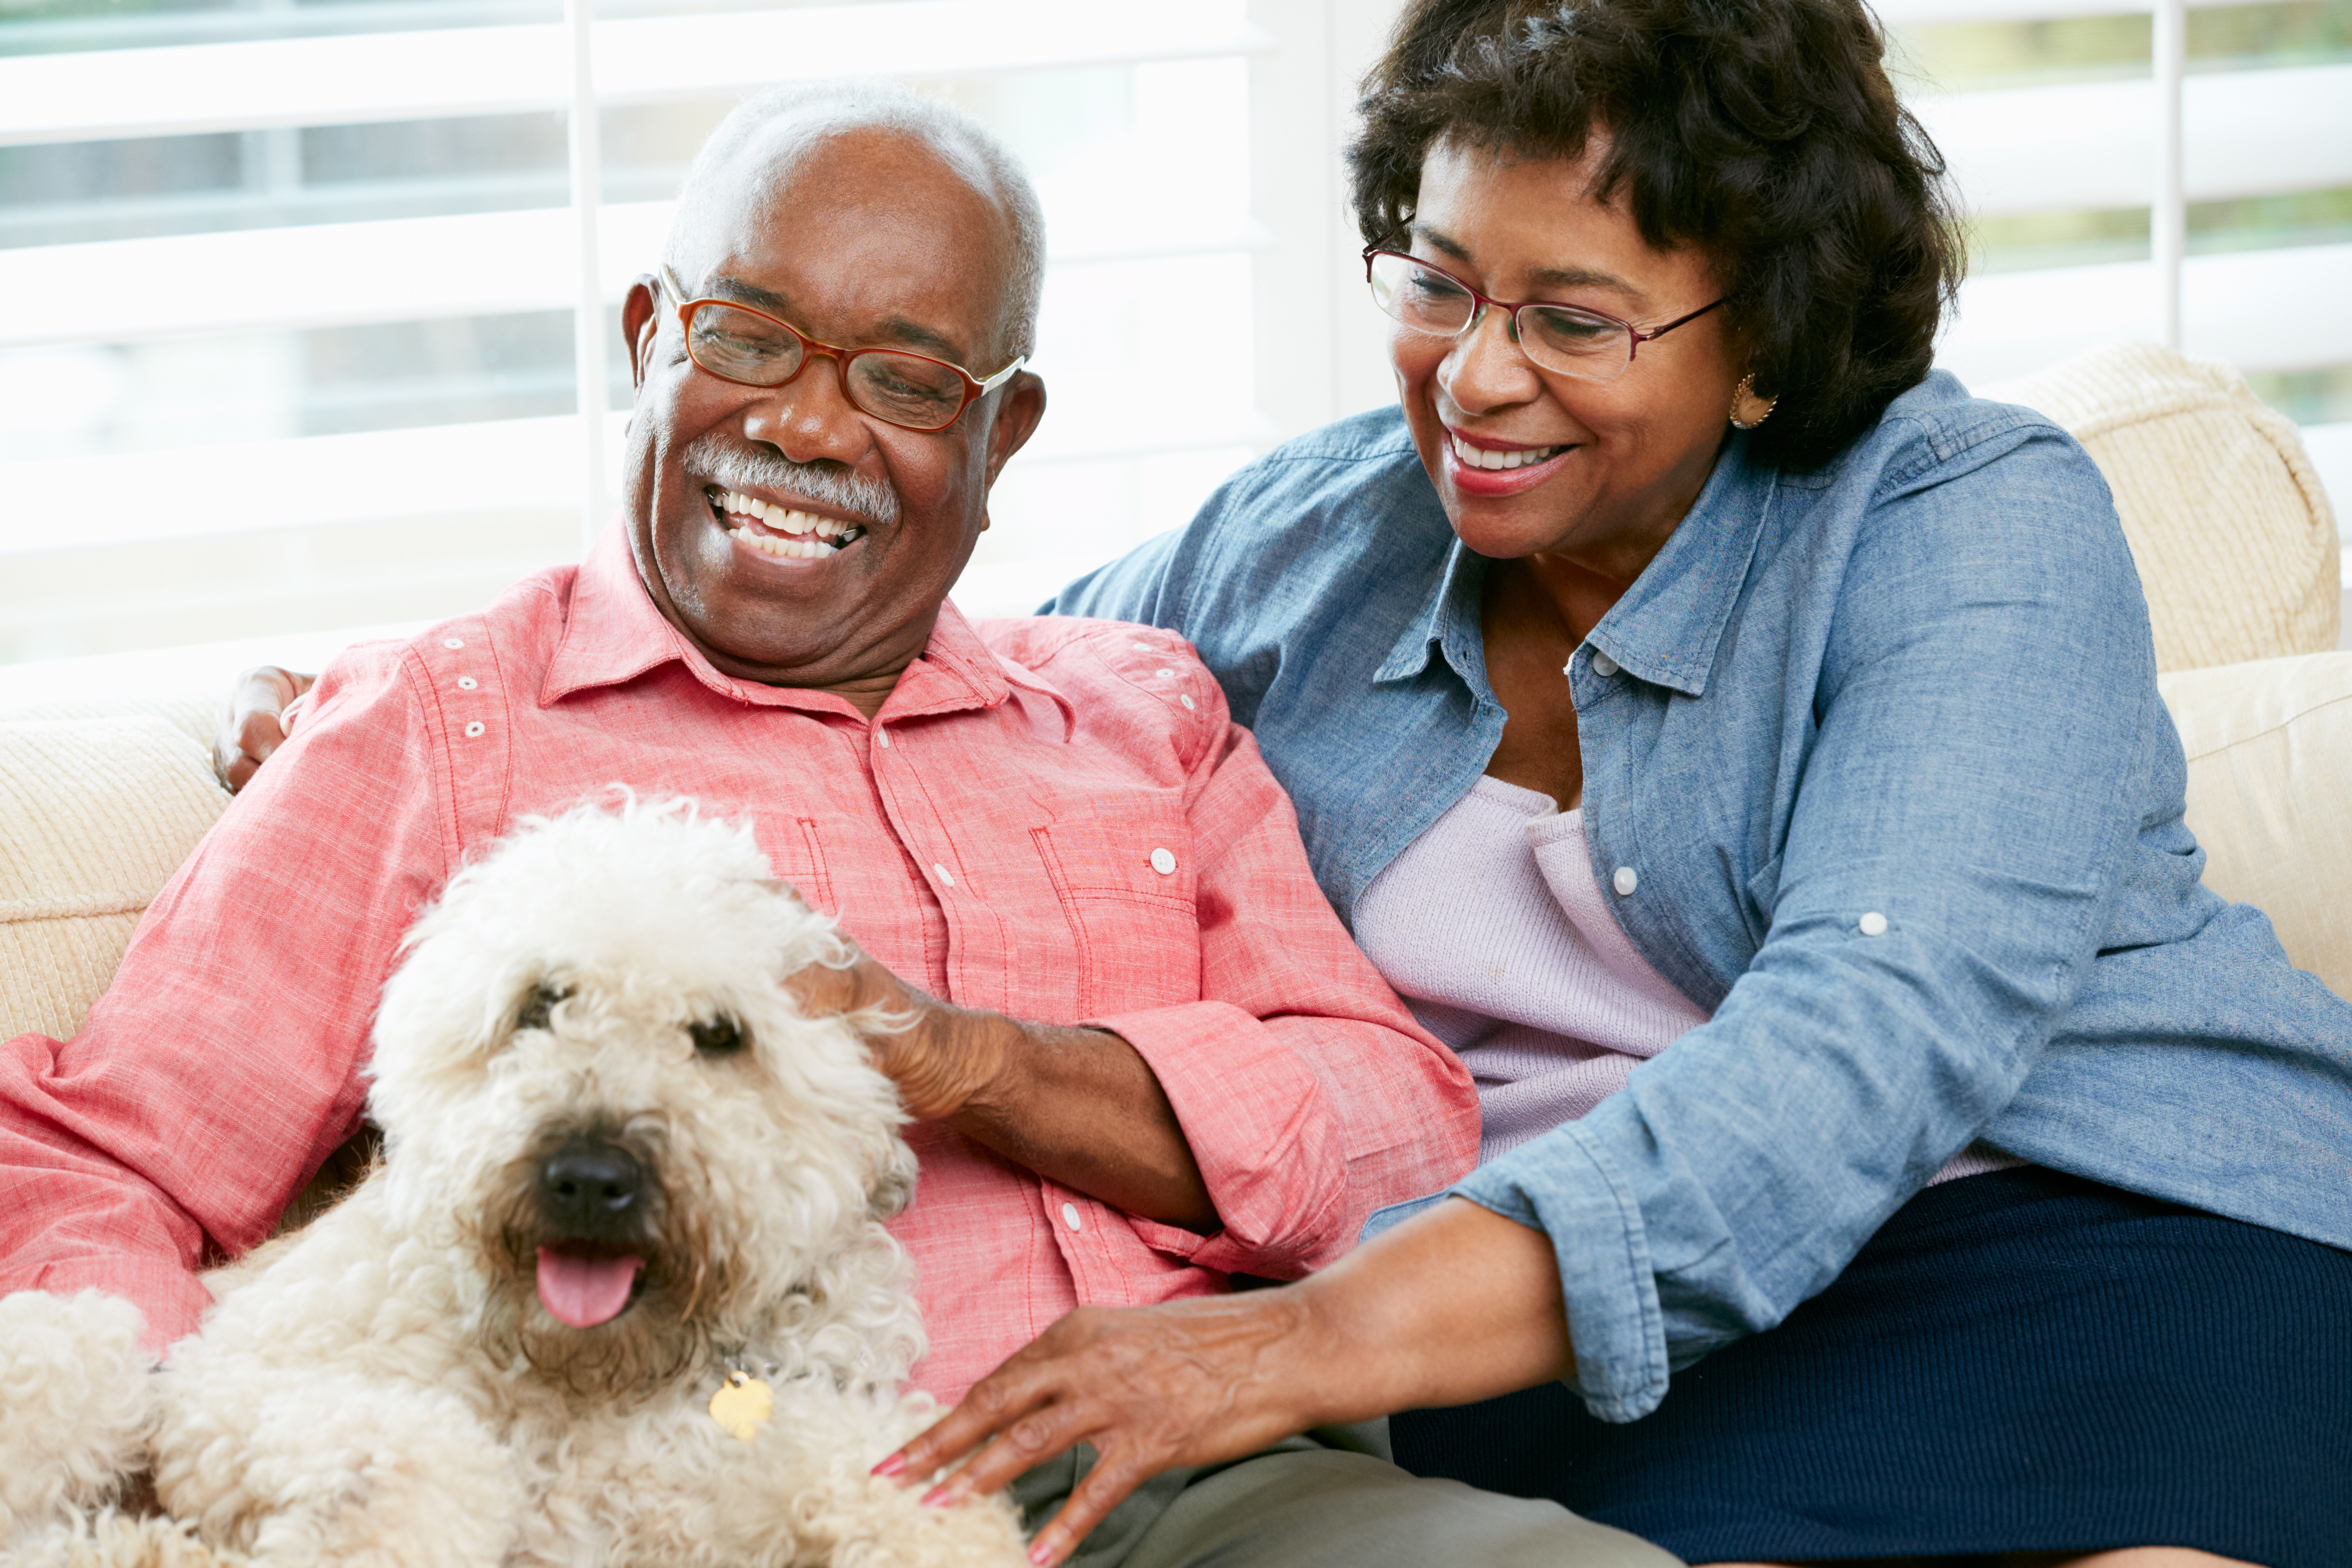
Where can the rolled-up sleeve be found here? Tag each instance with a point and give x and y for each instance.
(220, 1068)
(1985, 699)
(1306, 1091)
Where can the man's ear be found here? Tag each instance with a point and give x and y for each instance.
(1016, 420)
(639, 326)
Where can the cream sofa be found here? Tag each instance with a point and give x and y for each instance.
(103, 795)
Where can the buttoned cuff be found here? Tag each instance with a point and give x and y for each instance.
(1261, 1130)
(1564, 1184)
(170, 1300)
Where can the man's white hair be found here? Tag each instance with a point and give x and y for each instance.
(714, 184)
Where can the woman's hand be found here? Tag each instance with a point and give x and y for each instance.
(1456, 1304)
(1189, 1382)
(261, 708)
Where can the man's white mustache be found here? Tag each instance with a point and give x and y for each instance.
(735, 466)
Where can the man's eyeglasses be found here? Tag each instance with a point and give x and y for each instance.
(1567, 339)
(751, 347)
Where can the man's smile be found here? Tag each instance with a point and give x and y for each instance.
(776, 529)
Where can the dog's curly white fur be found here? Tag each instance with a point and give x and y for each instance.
(393, 1386)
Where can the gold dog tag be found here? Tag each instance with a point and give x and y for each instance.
(741, 1405)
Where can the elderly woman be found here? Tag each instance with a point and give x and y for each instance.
(1744, 749)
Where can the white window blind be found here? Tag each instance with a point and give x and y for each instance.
(298, 295)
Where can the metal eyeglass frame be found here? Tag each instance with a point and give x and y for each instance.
(1635, 337)
(974, 388)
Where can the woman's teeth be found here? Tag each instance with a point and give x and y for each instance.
(811, 536)
(1517, 457)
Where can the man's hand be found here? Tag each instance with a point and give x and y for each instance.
(1077, 1106)
(942, 1058)
(1186, 1383)
(261, 709)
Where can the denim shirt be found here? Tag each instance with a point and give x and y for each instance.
(1876, 770)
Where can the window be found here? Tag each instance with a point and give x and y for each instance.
(296, 297)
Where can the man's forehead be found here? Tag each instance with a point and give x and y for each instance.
(811, 215)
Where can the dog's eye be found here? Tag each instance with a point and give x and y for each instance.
(538, 1005)
(720, 1036)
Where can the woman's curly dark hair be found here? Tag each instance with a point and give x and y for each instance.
(1762, 131)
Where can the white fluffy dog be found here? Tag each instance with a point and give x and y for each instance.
(622, 1173)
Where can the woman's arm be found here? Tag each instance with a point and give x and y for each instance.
(1456, 1304)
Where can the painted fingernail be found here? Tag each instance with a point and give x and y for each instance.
(938, 1497)
(889, 1467)
(1042, 1554)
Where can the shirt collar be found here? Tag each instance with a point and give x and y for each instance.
(1450, 621)
(1665, 630)
(612, 633)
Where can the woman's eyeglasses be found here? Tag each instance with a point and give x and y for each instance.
(737, 343)
(1567, 339)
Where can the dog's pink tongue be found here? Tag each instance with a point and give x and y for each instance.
(586, 1291)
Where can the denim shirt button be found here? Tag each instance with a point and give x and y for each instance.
(1604, 666)
(1872, 924)
(1625, 882)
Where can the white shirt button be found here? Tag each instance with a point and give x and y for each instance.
(1163, 862)
(945, 875)
(474, 728)
(1164, 674)
(882, 739)
(1187, 702)
(1143, 647)
(1602, 665)
(466, 683)
(1070, 1217)
(1872, 924)
(453, 643)
(1625, 882)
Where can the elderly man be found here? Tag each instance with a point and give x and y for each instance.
(1156, 1060)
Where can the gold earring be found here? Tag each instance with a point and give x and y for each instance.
(1747, 410)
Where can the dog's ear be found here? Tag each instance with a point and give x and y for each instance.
(892, 1186)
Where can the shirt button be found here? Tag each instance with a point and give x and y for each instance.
(1872, 924)
(1163, 862)
(1143, 647)
(1602, 665)
(882, 739)
(466, 683)
(1625, 882)
(945, 875)
(1164, 674)
(1070, 1217)
(1187, 702)
(474, 728)
(453, 643)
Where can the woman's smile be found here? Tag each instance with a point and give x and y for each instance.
(1480, 465)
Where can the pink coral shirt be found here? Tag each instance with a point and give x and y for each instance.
(1054, 819)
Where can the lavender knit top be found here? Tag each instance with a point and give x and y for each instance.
(1493, 928)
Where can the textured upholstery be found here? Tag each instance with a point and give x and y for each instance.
(2269, 795)
(95, 814)
(2235, 543)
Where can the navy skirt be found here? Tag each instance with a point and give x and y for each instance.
(2017, 1362)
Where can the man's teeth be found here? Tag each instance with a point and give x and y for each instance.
(809, 531)
(1517, 457)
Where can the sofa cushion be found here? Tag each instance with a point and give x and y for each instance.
(95, 815)
(2269, 795)
(2227, 518)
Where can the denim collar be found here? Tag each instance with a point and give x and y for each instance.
(1664, 631)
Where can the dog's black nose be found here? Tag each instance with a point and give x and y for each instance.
(590, 1186)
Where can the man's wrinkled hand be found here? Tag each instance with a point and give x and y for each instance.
(1185, 1382)
(939, 1056)
(262, 706)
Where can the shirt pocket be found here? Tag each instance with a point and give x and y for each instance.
(1120, 865)
(796, 853)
